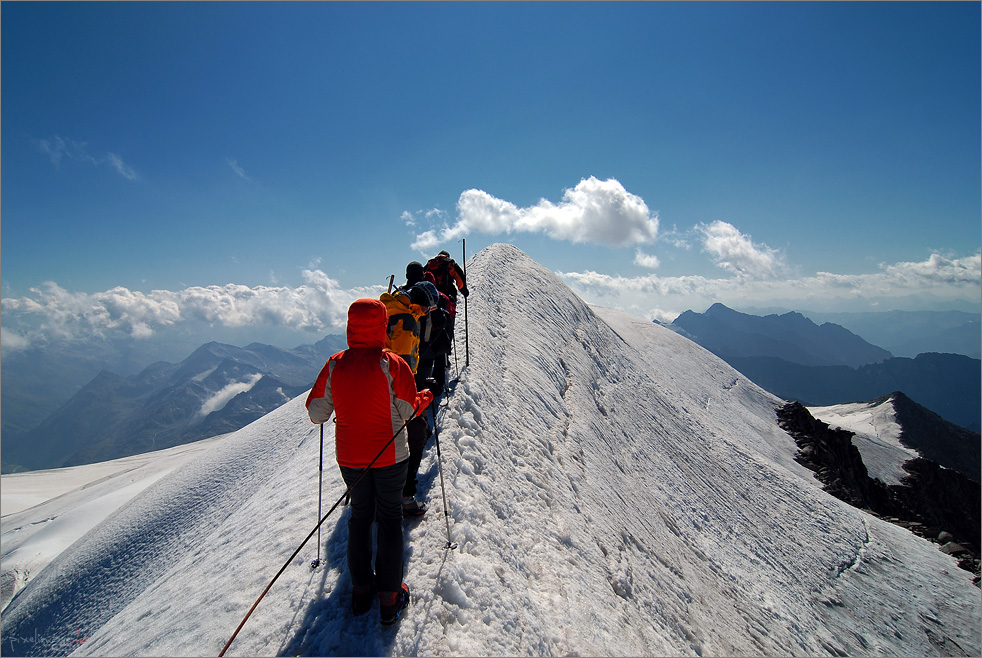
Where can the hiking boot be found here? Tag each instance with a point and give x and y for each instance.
(412, 507)
(362, 597)
(391, 605)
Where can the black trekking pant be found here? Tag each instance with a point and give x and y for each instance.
(440, 369)
(417, 431)
(377, 498)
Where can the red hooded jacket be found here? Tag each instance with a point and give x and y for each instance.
(370, 389)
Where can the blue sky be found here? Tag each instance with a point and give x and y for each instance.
(256, 163)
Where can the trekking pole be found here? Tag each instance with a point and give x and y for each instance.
(467, 350)
(392, 278)
(456, 363)
(320, 488)
(315, 530)
(451, 545)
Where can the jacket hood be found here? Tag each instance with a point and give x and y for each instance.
(367, 322)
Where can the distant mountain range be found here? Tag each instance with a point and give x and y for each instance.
(905, 333)
(795, 359)
(909, 333)
(217, 389)
(57, 414)
(791, 337)
(38, 380)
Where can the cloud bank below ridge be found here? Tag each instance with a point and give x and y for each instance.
(317, 306)
(937, 279)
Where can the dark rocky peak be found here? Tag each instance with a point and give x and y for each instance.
(936, 503)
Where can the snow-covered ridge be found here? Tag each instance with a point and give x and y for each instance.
(877, 436)
(614, 490)
(45, 512)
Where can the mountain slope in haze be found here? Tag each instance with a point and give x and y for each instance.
(217, 389)
(41, 378)
(950, 385)
(795, 359)
(791, 337)
(909, 333)
(947, 444)
(614, 489)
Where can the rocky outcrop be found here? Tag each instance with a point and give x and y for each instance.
(936, 503)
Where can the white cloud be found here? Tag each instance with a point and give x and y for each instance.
(412, 219)
(58, 148)
(646, 260)
(595, 211)
(427, 240)
(239, 171)
(735, 252)
(55, 148)
(124, 169)
(12, 341)
(937, 279)
(675, 238)
(51, 312)
(223, 396)
(939, 269)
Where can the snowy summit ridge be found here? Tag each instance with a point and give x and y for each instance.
(614, 489)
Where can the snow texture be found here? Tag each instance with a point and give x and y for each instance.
(877, 436)
(45, 512)
(614, 489)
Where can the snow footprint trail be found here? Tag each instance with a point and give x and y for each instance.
(325, 625)
(514, 585)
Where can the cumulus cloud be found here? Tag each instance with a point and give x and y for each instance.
(595, 211)
(646, 260)
(938, 269)
(58, 149)
(735, 252)
(51, 312)
(938, 278)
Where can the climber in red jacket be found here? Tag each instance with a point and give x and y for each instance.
(373, 395)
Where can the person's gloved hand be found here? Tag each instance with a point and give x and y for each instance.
(425, 397)
(464, 291)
